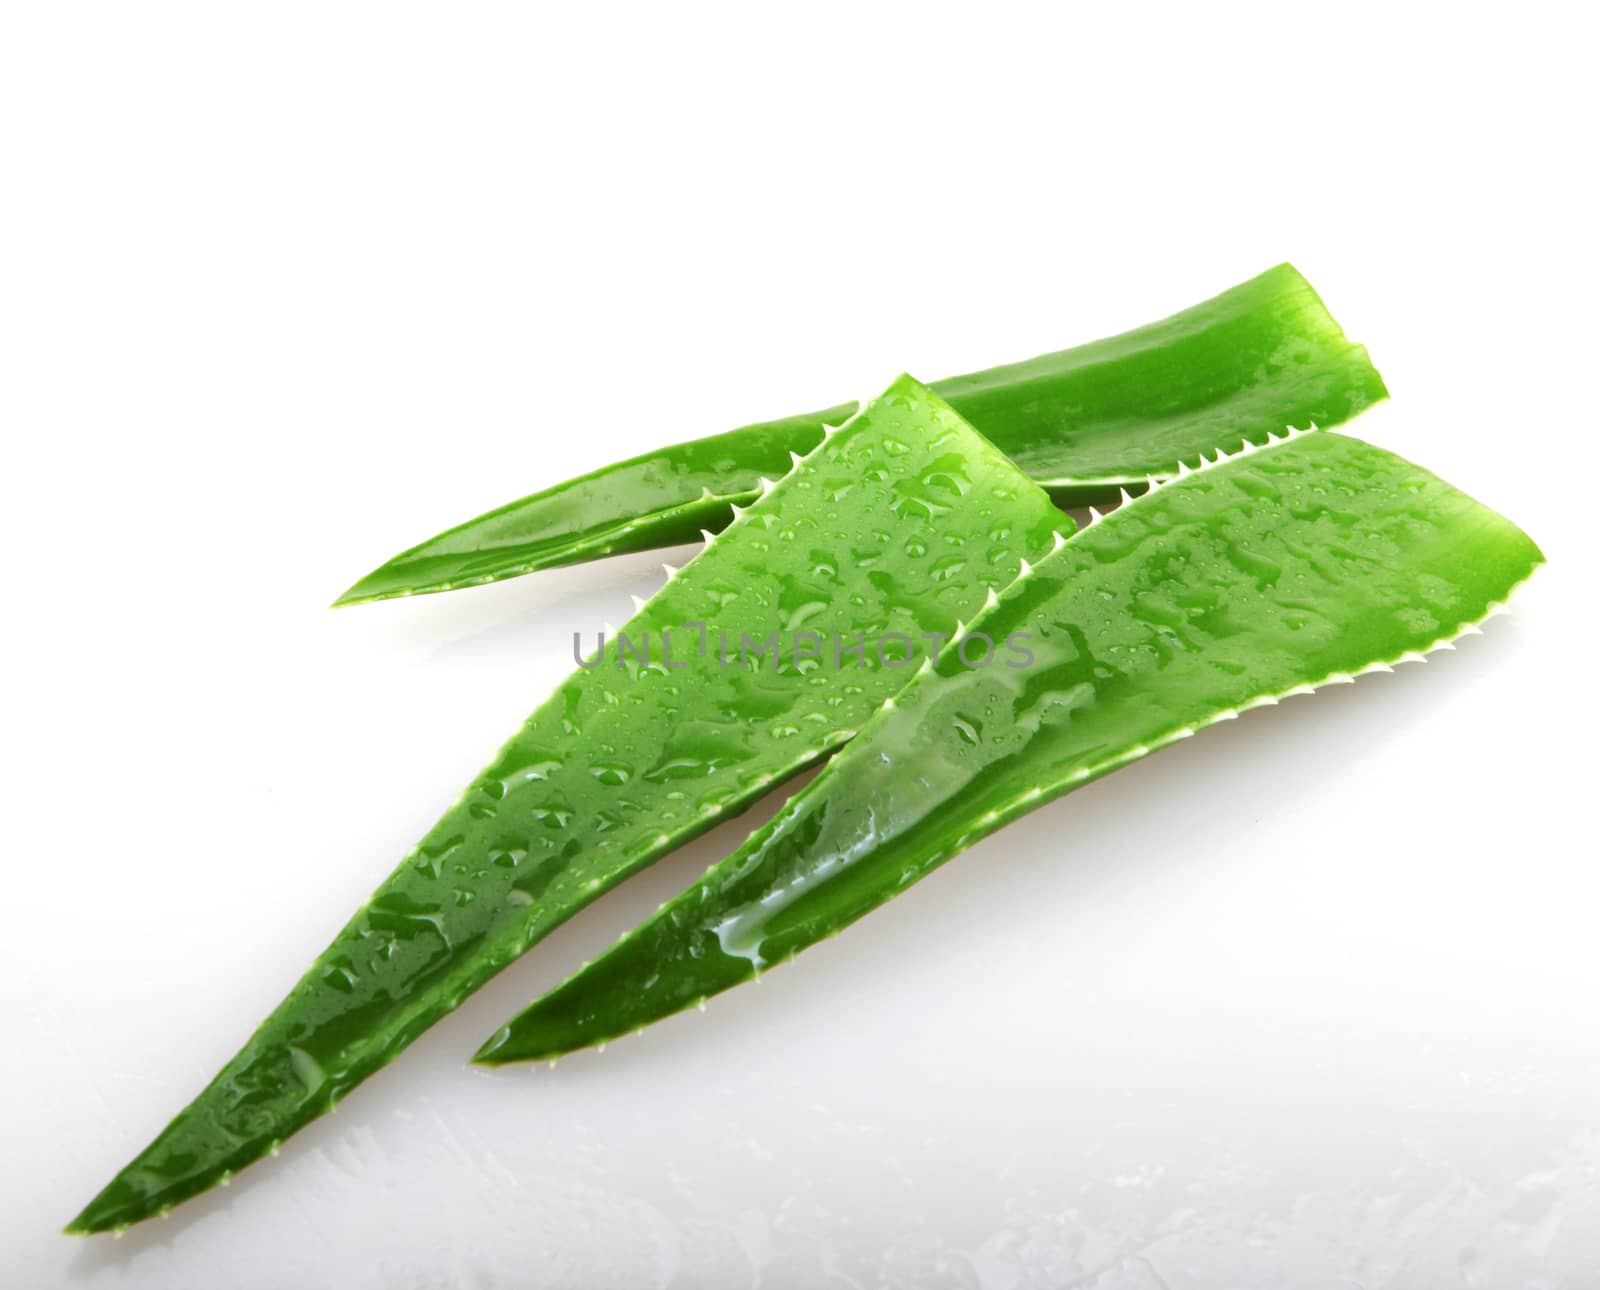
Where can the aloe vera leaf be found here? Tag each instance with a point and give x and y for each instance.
(903, 522)
(1084, 423)
(1270, 574)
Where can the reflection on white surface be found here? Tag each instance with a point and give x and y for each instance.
(1268, 1007)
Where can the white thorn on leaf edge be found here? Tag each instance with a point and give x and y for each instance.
(1155, 483)
(1494, 610)
(1445, 642)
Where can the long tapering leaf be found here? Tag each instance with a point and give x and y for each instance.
(1271, 574)
(1083, 423)
(903, 522)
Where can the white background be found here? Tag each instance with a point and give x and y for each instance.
(1309, 1000)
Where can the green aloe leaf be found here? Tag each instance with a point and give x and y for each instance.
(902, 522)
(1084, 423)
(1271, 574)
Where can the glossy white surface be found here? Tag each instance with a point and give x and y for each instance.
(1307, 1000)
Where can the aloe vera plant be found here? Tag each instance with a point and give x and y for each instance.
(1267, 575)
(1084, 423)
(901, 522)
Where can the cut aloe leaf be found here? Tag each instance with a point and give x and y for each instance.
(902, 523)
(1273, 573)
(1084, 423)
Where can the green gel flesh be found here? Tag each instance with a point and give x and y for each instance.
(1276, 571)
(1261, 357)
(903, 521)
